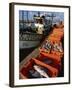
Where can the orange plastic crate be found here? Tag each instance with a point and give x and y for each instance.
(55, 58)
(52, 72)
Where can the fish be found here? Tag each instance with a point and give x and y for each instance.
(41, 71)
(58, 47)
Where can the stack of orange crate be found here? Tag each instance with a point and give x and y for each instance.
(55, 37)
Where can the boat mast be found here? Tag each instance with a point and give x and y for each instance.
(52, 17)
(38, 14)
(23, 18)
(27, 17)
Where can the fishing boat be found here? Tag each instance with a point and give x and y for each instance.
(32, 32)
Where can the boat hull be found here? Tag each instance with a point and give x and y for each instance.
(29, 40)
(28, 44)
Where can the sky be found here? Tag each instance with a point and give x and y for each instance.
(58, 15)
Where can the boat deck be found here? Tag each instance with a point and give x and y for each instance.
(54, 56)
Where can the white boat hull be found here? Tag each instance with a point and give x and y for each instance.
(28, 44)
